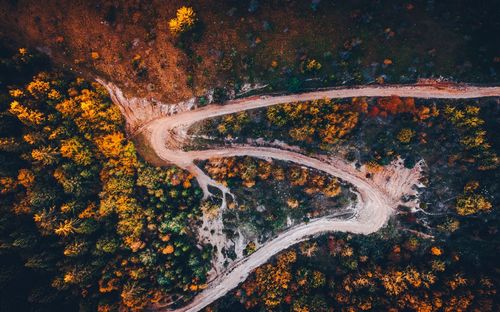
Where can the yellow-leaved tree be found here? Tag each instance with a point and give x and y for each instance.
(185, 20)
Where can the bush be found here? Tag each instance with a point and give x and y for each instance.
(185, 20)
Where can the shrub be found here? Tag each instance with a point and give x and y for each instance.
(185, 20)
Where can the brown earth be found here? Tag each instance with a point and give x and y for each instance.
(119, 31)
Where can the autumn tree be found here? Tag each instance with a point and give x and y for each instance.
(472, 135)
(82, 208)
(184, 21)
(321, 120)
(471, 202)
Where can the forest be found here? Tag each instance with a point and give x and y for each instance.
(82, 215)
(272, 196)
(438, 257)
(94, 217)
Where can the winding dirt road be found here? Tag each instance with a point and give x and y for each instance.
(377, 196)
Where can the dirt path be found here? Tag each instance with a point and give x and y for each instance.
(377, 196)
(139, 112)
(374, 207)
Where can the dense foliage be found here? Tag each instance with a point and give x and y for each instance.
(323, 123)
(273, 195)
(86, 221)
(349, 273)
(79, 209)
(438, 257)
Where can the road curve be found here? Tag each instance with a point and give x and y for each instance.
(376, 201)
(373, 209)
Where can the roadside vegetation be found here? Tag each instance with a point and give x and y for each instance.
(86, 224)
(83, 218)
(89, 222)
(353, 273)
(273, 195)
(437, 257)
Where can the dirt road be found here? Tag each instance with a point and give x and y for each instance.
(139, 112)
(377, 196)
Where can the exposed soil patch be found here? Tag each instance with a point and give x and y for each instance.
(128, 42)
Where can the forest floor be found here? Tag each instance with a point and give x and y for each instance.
(378, 195)
(268, 42)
